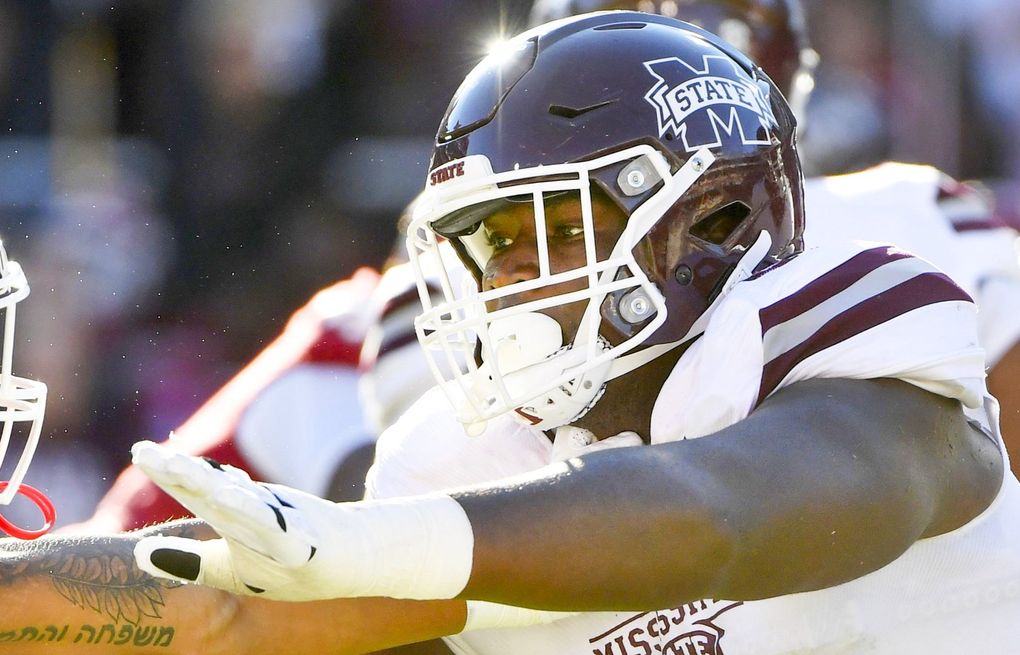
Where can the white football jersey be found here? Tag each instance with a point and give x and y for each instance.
(857, 311)
(923, 211)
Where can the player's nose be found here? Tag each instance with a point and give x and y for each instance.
(518, 263)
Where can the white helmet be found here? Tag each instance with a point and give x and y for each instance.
(22, 401)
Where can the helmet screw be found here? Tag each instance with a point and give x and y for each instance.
(636, 179)
(697, 164)
(639, 305)
(636, 307)
(683, 275)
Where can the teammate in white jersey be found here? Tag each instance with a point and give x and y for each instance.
(823, 460)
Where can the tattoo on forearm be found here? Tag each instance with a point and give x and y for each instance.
(92, 573)
(110, 584)
(108, 634)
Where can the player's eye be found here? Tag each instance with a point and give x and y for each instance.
(569, 231)
(499, 241)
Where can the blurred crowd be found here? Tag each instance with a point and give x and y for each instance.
(177, 177)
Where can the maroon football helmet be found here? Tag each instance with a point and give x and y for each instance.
(771, 32)
(678, 129)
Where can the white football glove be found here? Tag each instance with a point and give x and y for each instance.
(284, 544)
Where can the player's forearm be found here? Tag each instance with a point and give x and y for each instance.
(658, 526)
(64, 593)
(592, 538)
(345, 626)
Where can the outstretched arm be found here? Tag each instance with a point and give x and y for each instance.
(65, 593)
(828, 480)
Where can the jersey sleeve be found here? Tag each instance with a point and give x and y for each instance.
(860, 312)
(881, 313)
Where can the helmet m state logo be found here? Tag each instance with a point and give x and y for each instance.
(700, 103)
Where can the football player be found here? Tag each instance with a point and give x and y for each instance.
(822, 454)
(805, 438)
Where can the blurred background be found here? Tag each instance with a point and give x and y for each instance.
(178, 176)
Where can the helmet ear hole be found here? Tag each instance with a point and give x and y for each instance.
(718, 226)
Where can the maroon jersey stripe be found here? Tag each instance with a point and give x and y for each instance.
(828, 285)
(396, 342)
(976, 224)
(403, 299)
(919, 291)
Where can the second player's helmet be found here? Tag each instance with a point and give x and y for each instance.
(22, 405)
(771, 32)
(675, 129)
